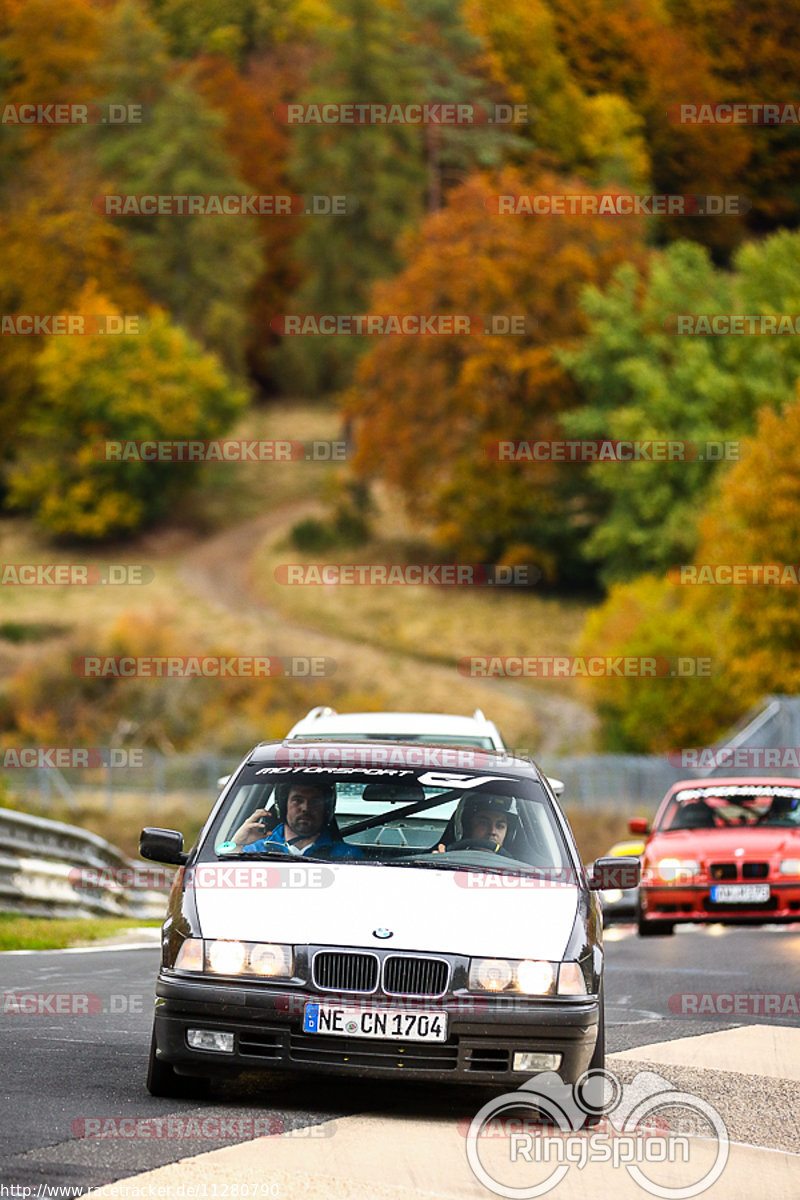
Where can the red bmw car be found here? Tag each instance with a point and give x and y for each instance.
(721, 850)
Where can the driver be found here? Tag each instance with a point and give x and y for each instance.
(305, 809)
(483, 818)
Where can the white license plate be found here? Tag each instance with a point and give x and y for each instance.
(740, 893)
(388, 1023)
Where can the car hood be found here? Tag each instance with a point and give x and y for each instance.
(427, 910)
(716, 844)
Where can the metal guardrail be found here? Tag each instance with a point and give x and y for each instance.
(50, 869)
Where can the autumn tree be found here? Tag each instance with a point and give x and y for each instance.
(642, 380)
(750, 632)
(177, 150)
(156, 384)
(659, 708)
(600, 136)
(754, 519)
(259, 146)
(365, 59)
(236, 28)
(755, 51)
(631, 48)
(428, 411)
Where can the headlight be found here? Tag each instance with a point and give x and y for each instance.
(527, 977)
(612, 896)
(677, 870)
(261, 960)
(226, 958)
(789, 866)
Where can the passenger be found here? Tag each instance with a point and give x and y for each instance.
(480, 818)
(307, 824)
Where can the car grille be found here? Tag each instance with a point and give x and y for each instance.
(415, 976)
(261, 1045)
(755, 870)
(487, 1058)
(750, 870)
(336, 971)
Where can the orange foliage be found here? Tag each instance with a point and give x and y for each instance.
(427, 408)
(260, 147)
(630, 47)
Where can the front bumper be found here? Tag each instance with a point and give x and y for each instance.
(685, 902)
(266, 1022)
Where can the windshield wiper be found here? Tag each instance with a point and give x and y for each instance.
(425, 864)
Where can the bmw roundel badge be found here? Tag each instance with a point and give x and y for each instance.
(382, 933)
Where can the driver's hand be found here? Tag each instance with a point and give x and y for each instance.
(257, 826)
(439, 849)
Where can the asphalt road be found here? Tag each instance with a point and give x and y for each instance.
(62, 1070)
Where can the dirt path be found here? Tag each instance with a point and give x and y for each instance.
(219, 570)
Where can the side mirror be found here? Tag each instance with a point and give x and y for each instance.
(162, 845)
(621, 873)
(557, 785)
(639, 825)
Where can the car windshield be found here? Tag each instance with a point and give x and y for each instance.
(464, 820)
(732, 806)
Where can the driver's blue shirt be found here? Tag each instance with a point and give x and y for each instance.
(277, 841)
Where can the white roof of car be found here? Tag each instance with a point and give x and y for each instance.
(326, 721)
